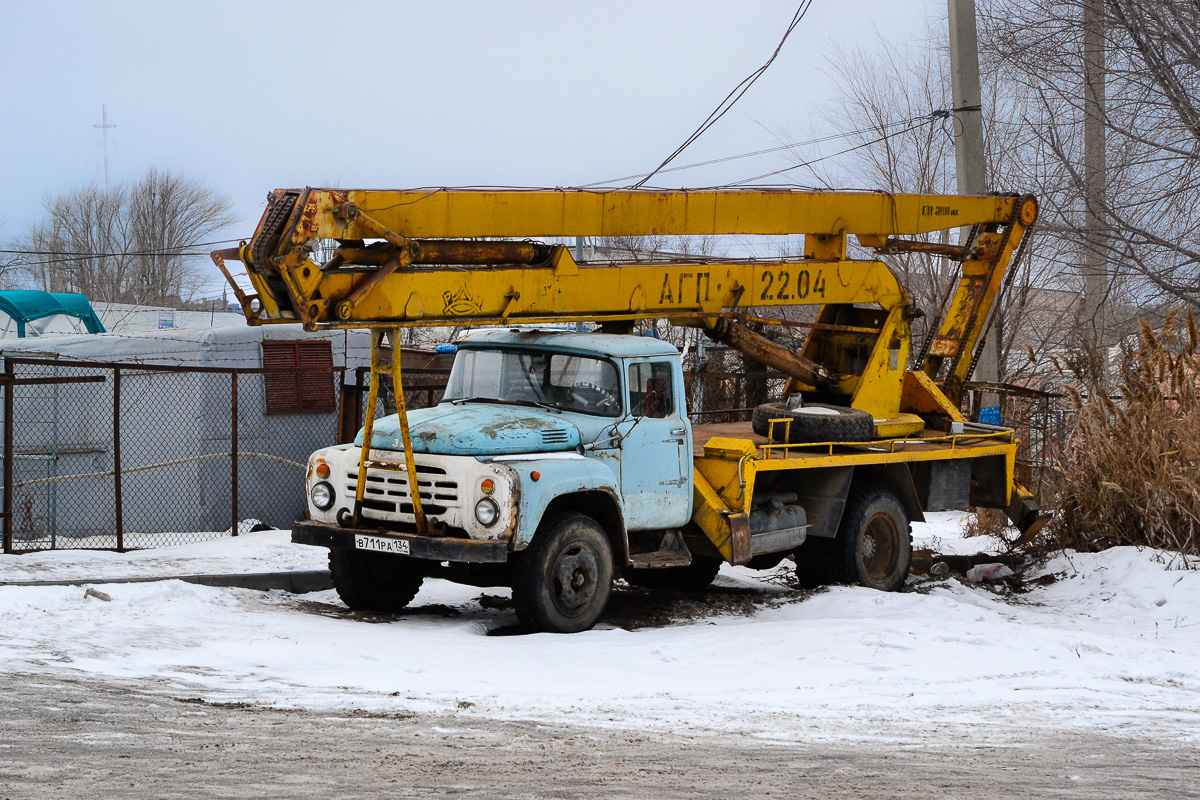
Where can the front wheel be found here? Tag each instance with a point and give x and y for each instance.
(562, 581)
(874, 543)
(374, 581)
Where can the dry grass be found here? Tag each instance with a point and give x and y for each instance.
(1131, 471)
(992, 526)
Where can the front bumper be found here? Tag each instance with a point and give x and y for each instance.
(429, 548)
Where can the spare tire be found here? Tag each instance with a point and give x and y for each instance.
(814, 422)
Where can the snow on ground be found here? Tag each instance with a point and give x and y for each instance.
(1113, 645)
(944, 534)
(262, 551)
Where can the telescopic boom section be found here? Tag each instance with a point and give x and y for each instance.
(423, 258)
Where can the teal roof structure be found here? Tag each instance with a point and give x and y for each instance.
(27, 305)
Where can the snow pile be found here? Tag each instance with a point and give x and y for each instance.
(262, 551)
(1113, 644)
(944, 534)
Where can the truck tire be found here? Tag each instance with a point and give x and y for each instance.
(814, 422)
(693, 578)
(814, 563)
(561, 583)
(373, 581)
(874, 542)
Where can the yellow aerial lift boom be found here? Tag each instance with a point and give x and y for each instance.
(428, 266)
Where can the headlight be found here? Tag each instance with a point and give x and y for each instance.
(487, 512)
(322, 496)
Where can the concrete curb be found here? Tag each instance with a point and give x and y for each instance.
(294, 582)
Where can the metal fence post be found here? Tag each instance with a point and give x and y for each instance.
(233, 450)
(8, 456)
(119, 506)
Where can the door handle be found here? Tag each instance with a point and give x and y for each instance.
(679, 432)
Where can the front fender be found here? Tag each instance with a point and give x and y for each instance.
(562, 474)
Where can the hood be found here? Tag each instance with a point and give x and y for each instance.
(477, 429)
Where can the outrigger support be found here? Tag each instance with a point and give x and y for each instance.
(364, 461)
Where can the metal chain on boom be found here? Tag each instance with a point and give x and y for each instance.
(1013, 267)
(936, 323)
(278, 212)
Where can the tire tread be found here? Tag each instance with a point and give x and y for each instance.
(850, 424)
(358, 582)
(845, 559)
(528, 574)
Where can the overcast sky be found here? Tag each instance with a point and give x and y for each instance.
(249, 96)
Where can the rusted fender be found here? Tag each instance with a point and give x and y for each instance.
(729, 531)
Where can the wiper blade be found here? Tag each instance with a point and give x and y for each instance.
(460, 400)
(537, 403)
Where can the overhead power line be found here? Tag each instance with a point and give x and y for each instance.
(810, 162)
(730, 99)
(769, 150)
(61, 256)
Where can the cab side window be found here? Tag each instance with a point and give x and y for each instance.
(650, 392)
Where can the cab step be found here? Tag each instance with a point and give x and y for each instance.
(660, 559)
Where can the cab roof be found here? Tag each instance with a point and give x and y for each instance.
(602, 344)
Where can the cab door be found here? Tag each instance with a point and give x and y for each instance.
(656, 448)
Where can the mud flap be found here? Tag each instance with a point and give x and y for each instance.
(729, 531)
(1026, 515)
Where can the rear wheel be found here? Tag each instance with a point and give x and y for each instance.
(562, 581)
(373, 581)
(815, 563)
(874, 543)
(692, 578)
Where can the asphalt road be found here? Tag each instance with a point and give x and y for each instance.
(83, 737)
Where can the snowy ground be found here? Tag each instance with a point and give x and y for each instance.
(1113, 645)
(264, 551)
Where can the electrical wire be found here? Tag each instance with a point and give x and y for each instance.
(810, 162)
(785, 146)
(730, 99)
(64, 257)
(148, 252)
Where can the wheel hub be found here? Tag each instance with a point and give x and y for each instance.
(576, 574)
(880, 547)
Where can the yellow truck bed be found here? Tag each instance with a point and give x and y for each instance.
(927, 446)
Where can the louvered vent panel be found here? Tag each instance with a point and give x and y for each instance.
(291, 392)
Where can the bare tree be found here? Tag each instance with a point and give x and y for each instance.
(1152, 117)
(130, 244)
(886, 95)
(876, 89)
(10, 263)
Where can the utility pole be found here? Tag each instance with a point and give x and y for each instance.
(1095, 185)
(104, 126)
(971, 164)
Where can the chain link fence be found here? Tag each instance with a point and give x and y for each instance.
(715, 396)
(1042, 421)
(129, 456)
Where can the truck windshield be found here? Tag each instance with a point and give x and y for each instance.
(536, 377)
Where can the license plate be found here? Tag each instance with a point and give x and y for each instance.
(381, 545)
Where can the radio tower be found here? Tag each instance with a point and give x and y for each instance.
(105, 126)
